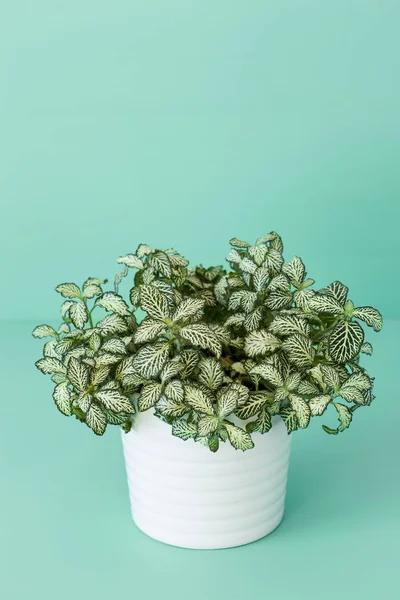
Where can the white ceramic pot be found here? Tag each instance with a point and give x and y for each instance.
(183, 494)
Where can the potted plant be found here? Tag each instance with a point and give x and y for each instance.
(226, 360)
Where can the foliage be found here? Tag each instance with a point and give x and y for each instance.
(218, 353)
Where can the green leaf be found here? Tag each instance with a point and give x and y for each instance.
(253, 319)
(345, 341)
(171, 408)
(299, 350)
(301, 409)
(370, 316)
(150, 359)
(279, 299)
(238, 243)
(307, 389)
(68, 290)
(114, 346)
(330, 376)
(318, 404)
(91, 290)
(50, 349)
(295, 270)
(258, 343)
(197, 399)
(189, 307)
(49, 365)
(240, 439)
(62, 398)
(263, 422)
(143, 249)
(359, 380)
(78, 374)
(116, 418)
(95, 341)
(171, 369)
(199, 334)
(211, 373)
(106, 358)
(254, 405)
(352, 394)
(366, 348)
(84, 401)
(59, 378)
(258, 254)
(184, 430)
(149, 395)
(260, 278)
(345, 416)
(42, 331)
(148, 330)
(112, 324)
(207, 424)
(289, 418)
(96, 419)
(100, 375)
(337, 290)
(227, 400)
(269, 373)
(112, 398)
(174, 390)
(114, 303)
(322, 303)
(273, 261)
(160, 262)
(154, 302)
(213, 443)
(288, 324)
(190, 359)
(79, 314)
(131, 261)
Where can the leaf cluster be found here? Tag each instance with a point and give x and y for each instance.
(219, 351)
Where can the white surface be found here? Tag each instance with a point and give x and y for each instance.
(183, 494)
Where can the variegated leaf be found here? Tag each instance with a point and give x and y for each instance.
(299, 350)
(366, 348)
(116, 418)
(84, 401)
(239, 438)
(150, 359)
(79, 314)
(306, 388)
(258, 253)
(131, 260)
(114, 346)
(211, 373)
(289, 418)
(263, 422)
(99, 375)
(302, 299)
(106, 358)
(238, 243)
(235, 320)
(65, 307)
(95, 341)
(112, 324)
(260, 278)
(253, 319)
(199, 334)
(293, 381)
(234, 256)
(289, 324)
(143, 250)
(269, 373)
(148, 330)
(149, 395)
(160, 262)
(370, 316)
(326, 304)
(171, 369)
(254, 404)
(78, 374)
(190, 359)
(184, 430)
(170, 407)
(62, 398)
(227, 400)
(301, 409)
(345, 341)
(64, 328)
(50, 349)
(96, 419)
(295, 271)
(318, 404)
(68, 290)
(114, 303)
(197, 399)
(207, 424)
(154, 302)
(174, 390)
(273, 261)
(352, 394)
(42, 331)
(247, 266)
(189, 307)
(345, 417)
(330, 376)
(359, 380)
(92, 290)
(258, 343)
(49, 365)
(337, 290)
(279, 299)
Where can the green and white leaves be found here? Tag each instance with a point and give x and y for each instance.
(69, 290)
(42, 331)
(114, 303)
(240, 439)
(150, 359)
(201, 336)
(345, 341)
(154, 302)
(78, 374)
(370, 316)
(299, 349)
(96, 419)
(196, 398)
(63, 398)
(79, 314)
(258, 343)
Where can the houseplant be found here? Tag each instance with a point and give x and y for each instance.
(227, 359)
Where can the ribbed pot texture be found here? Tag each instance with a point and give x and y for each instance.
(183, 494)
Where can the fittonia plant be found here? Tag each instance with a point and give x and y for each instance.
(217, 348)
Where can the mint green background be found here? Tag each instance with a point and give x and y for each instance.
(184, 123)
